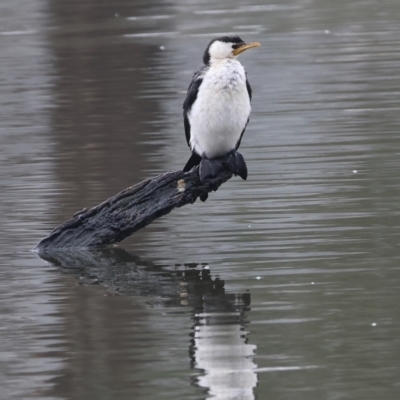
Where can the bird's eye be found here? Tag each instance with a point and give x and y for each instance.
(235, 46)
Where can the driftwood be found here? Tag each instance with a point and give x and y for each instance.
(130, 210)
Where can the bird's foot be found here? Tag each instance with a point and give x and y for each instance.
(209, 168)
(236, 164)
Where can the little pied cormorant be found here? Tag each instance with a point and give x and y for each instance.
(217, 109)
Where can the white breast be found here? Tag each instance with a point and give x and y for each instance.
(221, 110)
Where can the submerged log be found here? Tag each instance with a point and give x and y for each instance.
(130, 210)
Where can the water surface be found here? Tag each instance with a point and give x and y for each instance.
(284, 286)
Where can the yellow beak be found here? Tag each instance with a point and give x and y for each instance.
(244, 47)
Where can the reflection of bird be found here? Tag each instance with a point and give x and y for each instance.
(217, 108)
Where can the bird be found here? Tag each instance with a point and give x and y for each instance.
(217, 109)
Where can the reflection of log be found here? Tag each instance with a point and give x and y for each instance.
(218, 343)
(121, 272)
(125, 273)
(130, 210)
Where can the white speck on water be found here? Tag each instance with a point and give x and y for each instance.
(162, 47)
(373, 324)
(327, 32)
(258, 278)
(206, 267)
(354, 171)
(312, 283)
(116, 15)
(249, 226)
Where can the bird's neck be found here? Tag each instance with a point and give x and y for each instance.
(224, 62)
(227, 72)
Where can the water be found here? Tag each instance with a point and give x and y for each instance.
(284, 286)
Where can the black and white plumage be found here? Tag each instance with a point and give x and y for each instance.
(217, 108)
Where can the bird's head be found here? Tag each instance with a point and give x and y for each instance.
(226, 47)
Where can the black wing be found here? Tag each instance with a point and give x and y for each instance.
(250, 92)
(249, 89)
(191, 98)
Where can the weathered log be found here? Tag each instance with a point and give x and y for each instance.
(130, 210)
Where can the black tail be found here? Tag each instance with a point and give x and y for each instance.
(192, 162)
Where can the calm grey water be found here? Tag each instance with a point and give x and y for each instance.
(285, 286)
